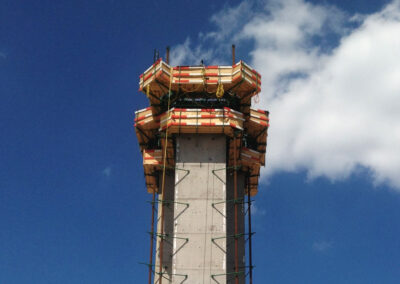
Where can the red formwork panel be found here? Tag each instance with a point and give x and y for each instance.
(146, 126)
(178, 120)
(240, 79)
(249, 162)
(153, 164)
(256, 126)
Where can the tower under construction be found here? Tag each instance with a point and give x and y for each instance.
(203, 146)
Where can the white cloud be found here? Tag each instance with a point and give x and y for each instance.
(106, 171)
(255, 210)
(182, 54)
(321, 246)
(334, 109)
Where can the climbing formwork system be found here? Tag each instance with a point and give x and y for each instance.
(203, 146)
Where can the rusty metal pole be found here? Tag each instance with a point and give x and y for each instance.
(167, 56)
(249, 226)
(161, 248)
(233, 54)
(152, 236)
(236, 211)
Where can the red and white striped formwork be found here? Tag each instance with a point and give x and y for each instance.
(249, 162)
(179, 120)
(153, 161)
(146, 119)
(226, 120)
(256, 126)
(146, 126)
(240, 79)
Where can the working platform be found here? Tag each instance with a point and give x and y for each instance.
(181, 102)
(179, 120)
(236, 84)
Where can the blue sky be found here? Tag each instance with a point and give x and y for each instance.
(72, 196)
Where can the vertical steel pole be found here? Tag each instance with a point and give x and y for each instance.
(161, 248)
(236, 211)
(167, 56)
(152, 235)
(233, 54)
(250, 232)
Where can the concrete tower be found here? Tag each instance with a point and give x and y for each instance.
(202, 149)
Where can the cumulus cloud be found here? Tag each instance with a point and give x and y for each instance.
(184, 53)
(255, 210)
(106, 171)
(321, 246)
(330, 80)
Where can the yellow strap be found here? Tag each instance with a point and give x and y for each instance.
(220, 89)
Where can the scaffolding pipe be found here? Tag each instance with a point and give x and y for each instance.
(161, 248)
(236, 212)
(233, 54)
(152, 236)
(167, 56)
(155, 55)
(250, 233)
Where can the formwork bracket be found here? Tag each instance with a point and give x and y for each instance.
(167, 236)
(178, 169)
(236, 168)
(168, 202)
(234, 201)
(185, 276)
(236, 274)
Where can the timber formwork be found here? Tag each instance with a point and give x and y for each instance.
(203, 146)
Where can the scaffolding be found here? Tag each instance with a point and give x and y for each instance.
(201, 100)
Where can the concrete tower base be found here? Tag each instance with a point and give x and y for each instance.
(198, 244)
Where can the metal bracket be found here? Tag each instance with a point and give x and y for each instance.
(236, 274)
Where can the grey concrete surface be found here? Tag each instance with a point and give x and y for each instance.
(200, 223)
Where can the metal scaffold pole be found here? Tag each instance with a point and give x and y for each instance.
(250, 232)
(236, 211)
(152, 236)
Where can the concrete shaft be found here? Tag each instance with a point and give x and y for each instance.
(199, 223)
